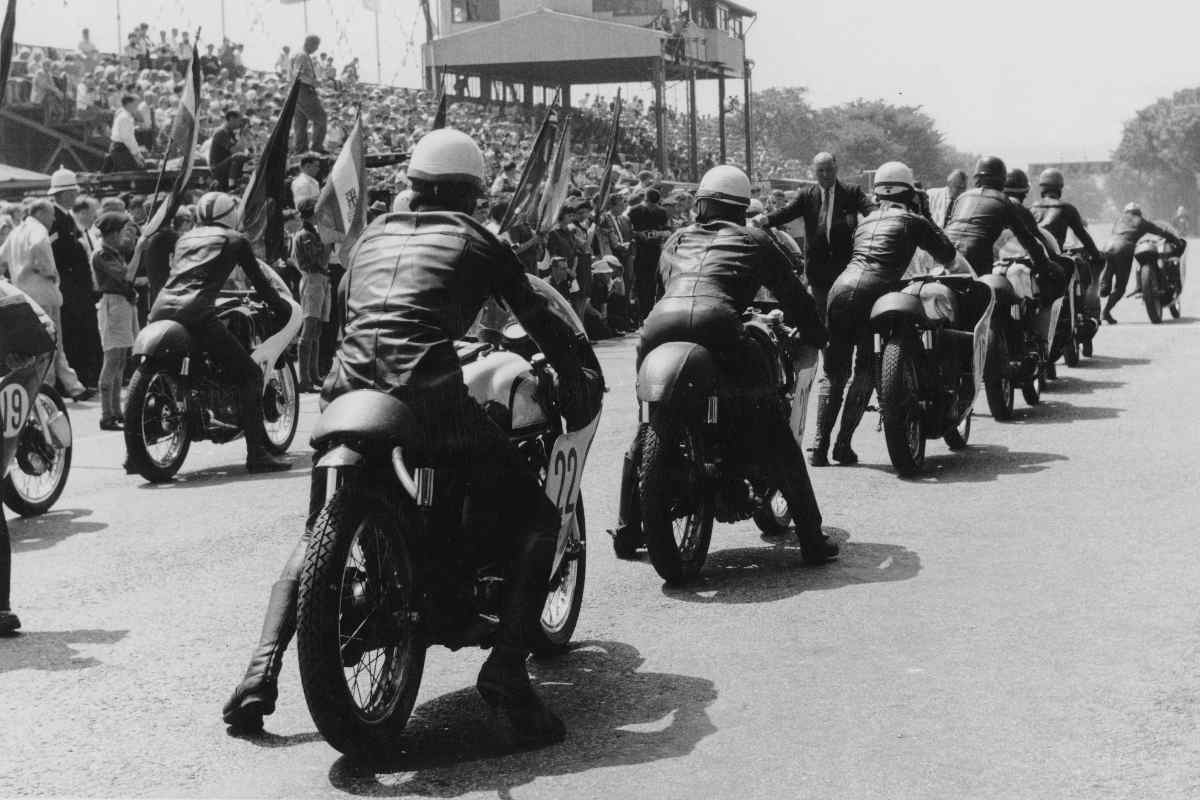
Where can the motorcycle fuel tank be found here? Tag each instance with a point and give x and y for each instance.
(507, 379)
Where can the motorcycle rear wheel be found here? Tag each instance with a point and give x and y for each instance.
(999, 387)
(899, 406)
(677, 528)
(360, 682)
(564, 596)
(1150, 295)
(156, 404)
(32, 495)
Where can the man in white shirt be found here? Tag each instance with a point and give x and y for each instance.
(87, 49)
(124, 152)
(30, 261)
(305, 184)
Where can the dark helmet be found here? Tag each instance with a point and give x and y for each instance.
(1051, 179)
(992, 170)
(1017, 182)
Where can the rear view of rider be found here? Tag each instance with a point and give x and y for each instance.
(1058, 217)
(711, 271)
(884, 244)
(981, 214)
(204, 259)
(1126, 231)
(416, 282)
(1051, 280)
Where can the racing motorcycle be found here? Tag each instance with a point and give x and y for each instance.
(1022, 337)
(178, 394)
(1161, 274)
(386, 575)
(35, 429)
(932, 338)
(1079, 321)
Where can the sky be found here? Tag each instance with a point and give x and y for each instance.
(1029, 80)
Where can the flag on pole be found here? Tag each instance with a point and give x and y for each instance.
(342, 204)
(558, 183)
(525, 200)
(606, 183)
(439, 120)
(185, 132)
(6, 46)
(262, 211)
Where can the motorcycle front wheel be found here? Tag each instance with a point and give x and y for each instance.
(998, 386)
(677, 505)
(361, 653)
(39, 473)
(900, 406)
(281, 408)
(157, 438)
(564, 596)
(1150, 295)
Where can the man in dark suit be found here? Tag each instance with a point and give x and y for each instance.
(830, 211)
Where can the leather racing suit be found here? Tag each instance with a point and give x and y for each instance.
(979, 217)
(1119, 254)
(1058, 217)
(205, 257)
(884, 245)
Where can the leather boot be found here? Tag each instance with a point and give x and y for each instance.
(827, 410)
(516, 708)
(627, 536)
(254, 698)
(852, 413)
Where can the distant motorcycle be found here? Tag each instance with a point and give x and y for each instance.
(931, 352)
(35, 436)
(1161, 274)
(385, 578)
(178, 394)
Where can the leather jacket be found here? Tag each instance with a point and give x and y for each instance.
(1058, 217)
(1131, 227)
(979, 217)
(204, 259)
(415, 283)
(724, 264)
(885, 242)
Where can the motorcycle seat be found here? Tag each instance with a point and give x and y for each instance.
(938, 301)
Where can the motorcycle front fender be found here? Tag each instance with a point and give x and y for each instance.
(676, 372)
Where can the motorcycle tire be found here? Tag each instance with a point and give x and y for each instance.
(149, 389)
(999, 388)
(1071, 351)
(281, 408)
(1175, 310)
(959, 436)
(341, 575)
(1087, 348)
(18, 493)
(564, 598)
(899, 406)
(1150, 295)
(669, 440)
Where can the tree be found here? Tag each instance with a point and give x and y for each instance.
(1158, 158)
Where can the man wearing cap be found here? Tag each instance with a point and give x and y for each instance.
(308, 102)
(80, 330)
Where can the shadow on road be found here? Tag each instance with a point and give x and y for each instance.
(1111, 362)
(777, 572)
(51, 528)
(980, 463)
(235, 473)
(53, 651)
(1067, 384)
(1049, 412)
(272, 741)
(614, 714)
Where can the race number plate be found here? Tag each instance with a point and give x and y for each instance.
(564, 477)
(14, 408)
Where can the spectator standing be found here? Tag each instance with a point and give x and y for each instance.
(28, 256)
(305, 184)
(350, 72)
(210, 65)
(506, 180)
(88, 51)
(283, 64)
(79, 331)
(183, 52)
(614, 236)
(85, 211)
(941, 201)
(124, 152)
(308, 102)
(45, 93)
(312, 259)
(225, 158)
(651, 227)
(117, 311)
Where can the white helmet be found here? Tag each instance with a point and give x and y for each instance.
(63, 180)
(445, 156)
(217, 208)
(726, 184)
(893, 178)
(1133, 208)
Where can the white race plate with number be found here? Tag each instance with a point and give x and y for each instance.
(14, 408)
(566, 473)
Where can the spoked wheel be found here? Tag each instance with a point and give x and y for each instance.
(999, 386)
(564, 597)
(677, 506)
(281, 408)
(43, 461)
(900, 406)
(156, 431)
(958, 436)
(361, 654)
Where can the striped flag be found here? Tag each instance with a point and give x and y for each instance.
(342, 205)
(558, 183)
(526, 200)
(606, 182)
(262, 204)
(6, 46)
(185, 132)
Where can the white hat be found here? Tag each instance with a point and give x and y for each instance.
(63, 180)
(605, 266)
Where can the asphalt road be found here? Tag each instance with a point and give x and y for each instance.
(1019, 623)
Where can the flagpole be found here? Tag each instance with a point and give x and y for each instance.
(224, 34)
(306, 17)
(378, 56)
(120, 45)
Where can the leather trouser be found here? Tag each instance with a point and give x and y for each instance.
(226, 350)
(1116, 275)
